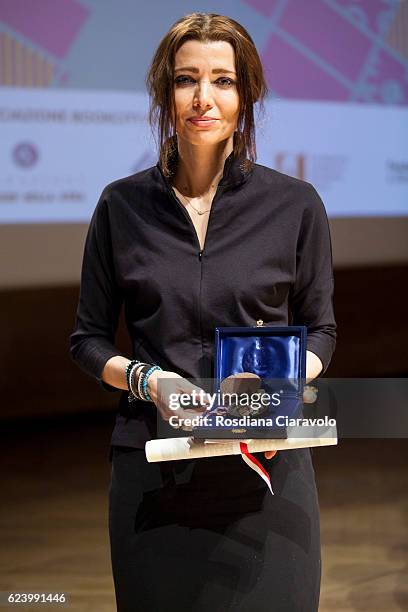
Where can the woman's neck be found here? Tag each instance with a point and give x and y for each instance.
(200, 168)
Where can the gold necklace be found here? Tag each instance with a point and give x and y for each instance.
(199, 212)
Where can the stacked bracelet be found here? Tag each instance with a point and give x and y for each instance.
(132, 385)
(143, 380)
(140, 378)
(131, 369)
(137, 375)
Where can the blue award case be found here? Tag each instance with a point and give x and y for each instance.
(278, 356)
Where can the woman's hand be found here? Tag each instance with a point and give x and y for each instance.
(270, 454)
(309, 397)
(162, 384)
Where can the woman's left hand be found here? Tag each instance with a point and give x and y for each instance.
(270, 454)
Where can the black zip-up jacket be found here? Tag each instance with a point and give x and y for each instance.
(267, 255)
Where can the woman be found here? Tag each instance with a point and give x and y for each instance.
(205, 238)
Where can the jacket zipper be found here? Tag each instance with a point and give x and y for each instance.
(200, 251)
(185, 213)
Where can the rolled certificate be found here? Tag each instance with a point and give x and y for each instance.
(171, 449)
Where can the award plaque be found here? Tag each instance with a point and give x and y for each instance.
(258, 382)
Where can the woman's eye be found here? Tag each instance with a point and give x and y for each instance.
(181, 80)
(185, 80)
(225, 81)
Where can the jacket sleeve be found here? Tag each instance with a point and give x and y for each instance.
(100, 299)
(311, 299)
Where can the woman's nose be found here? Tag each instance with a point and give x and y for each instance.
(203, 94)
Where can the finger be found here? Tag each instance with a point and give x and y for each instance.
(270, 454)
(200, 393)
(198, 402)
(309, 394)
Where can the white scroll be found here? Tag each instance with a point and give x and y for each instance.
(172, 449)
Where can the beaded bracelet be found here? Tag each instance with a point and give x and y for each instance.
(143, 383)
(133, 394)
(140, 379)
(131, 369)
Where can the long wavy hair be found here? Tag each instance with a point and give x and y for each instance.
(251, 84)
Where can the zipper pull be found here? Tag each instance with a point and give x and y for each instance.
(200, 254)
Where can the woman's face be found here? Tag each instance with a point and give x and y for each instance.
(205, 86)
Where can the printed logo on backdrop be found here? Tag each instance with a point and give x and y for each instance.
(323, 171)
(25, 155)
(397, 171)
(292, 164)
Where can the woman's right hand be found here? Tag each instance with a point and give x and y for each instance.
(162, 384)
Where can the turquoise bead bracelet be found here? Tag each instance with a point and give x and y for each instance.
(145, 380)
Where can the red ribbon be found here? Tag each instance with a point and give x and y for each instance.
(254, 464)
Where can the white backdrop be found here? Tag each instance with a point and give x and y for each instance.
(60, 148)
(73, 117)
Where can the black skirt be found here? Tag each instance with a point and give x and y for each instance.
(206, 535)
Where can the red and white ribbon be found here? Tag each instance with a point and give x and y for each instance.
(254, 464)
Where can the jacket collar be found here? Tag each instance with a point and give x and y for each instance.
(235, 171)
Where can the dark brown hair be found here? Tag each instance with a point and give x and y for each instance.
(251, 85)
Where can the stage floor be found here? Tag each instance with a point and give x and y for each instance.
(54, 534)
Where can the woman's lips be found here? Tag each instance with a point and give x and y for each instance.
(203, 122)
